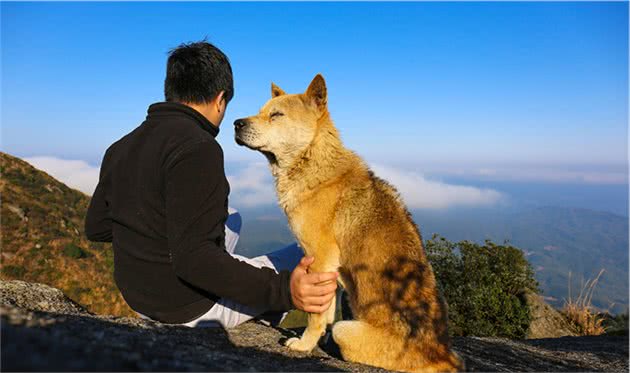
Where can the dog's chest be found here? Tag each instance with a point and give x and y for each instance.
(296, 223)
(312, 221)
(305, 227)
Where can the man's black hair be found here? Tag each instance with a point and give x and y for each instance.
(196, 73)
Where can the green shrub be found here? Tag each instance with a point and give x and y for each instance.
(73, 251)
(75, 292)
(483, 286)
(616, 325)
(14, 271)
(108, 254)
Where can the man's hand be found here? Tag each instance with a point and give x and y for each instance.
(312, 292)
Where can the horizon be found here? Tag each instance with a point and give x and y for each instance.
(446, 106)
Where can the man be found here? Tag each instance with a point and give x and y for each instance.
(162, 201)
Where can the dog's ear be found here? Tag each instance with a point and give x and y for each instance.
(276, 91)
(317, 91)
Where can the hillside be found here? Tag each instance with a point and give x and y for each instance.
(43, 240)
(560, 241)
(55, 334)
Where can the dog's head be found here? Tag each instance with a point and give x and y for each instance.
(286, 125)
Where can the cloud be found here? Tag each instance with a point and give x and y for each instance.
(603, 175)
(252, 186)
(555, 175)
(421, 193)
(75, 174)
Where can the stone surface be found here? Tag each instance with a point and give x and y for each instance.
(546, 321)
(43, 330)
(37, 297)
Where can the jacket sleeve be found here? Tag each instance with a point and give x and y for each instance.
(98, 221)
(196, 202)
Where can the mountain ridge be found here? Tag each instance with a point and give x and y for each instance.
(43, 238)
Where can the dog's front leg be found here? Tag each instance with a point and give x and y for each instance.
(316, 326)
(314, 331)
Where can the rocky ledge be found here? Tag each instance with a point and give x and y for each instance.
(44, 330)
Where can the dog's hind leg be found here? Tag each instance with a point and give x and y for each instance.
(360, 342)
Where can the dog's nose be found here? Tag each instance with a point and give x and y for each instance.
(239, 123)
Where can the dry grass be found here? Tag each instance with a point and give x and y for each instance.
(580, 311)
(43, 240)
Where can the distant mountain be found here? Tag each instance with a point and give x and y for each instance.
(556, 240)
(563, 240)
(43, 240)
(264, 229)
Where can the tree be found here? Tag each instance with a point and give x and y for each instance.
(484, 286)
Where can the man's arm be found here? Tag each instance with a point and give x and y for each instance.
(195, 210)
(98, 221)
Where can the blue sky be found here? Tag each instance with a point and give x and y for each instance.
(435, 87)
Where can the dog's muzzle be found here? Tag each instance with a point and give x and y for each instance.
(239, 124)
(239, 131)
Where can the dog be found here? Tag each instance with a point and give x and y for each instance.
(353, 222)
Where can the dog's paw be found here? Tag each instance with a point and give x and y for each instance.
(297, 344)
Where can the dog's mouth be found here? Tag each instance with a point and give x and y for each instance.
(270, 156)
(241, 139)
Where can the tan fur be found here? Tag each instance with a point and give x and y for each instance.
(354, 222)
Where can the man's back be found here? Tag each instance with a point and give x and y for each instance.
(162, 201)
(133, 183)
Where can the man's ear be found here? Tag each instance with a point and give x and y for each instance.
(317, 91)
(217, 100)
(276, 91)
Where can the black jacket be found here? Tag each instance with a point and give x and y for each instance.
(162, 201)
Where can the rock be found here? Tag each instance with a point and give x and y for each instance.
(44, 330)
(37, 297)
(546, 321)
(18, 211)
(566, 354)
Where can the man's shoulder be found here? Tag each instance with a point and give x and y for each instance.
(124, 139)
(203, 148)
(172, 137)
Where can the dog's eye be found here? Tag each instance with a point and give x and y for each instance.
(276, 114)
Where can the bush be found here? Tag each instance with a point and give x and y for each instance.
(12, 271)
(616, 325)
(484, 286)
(73, 251)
